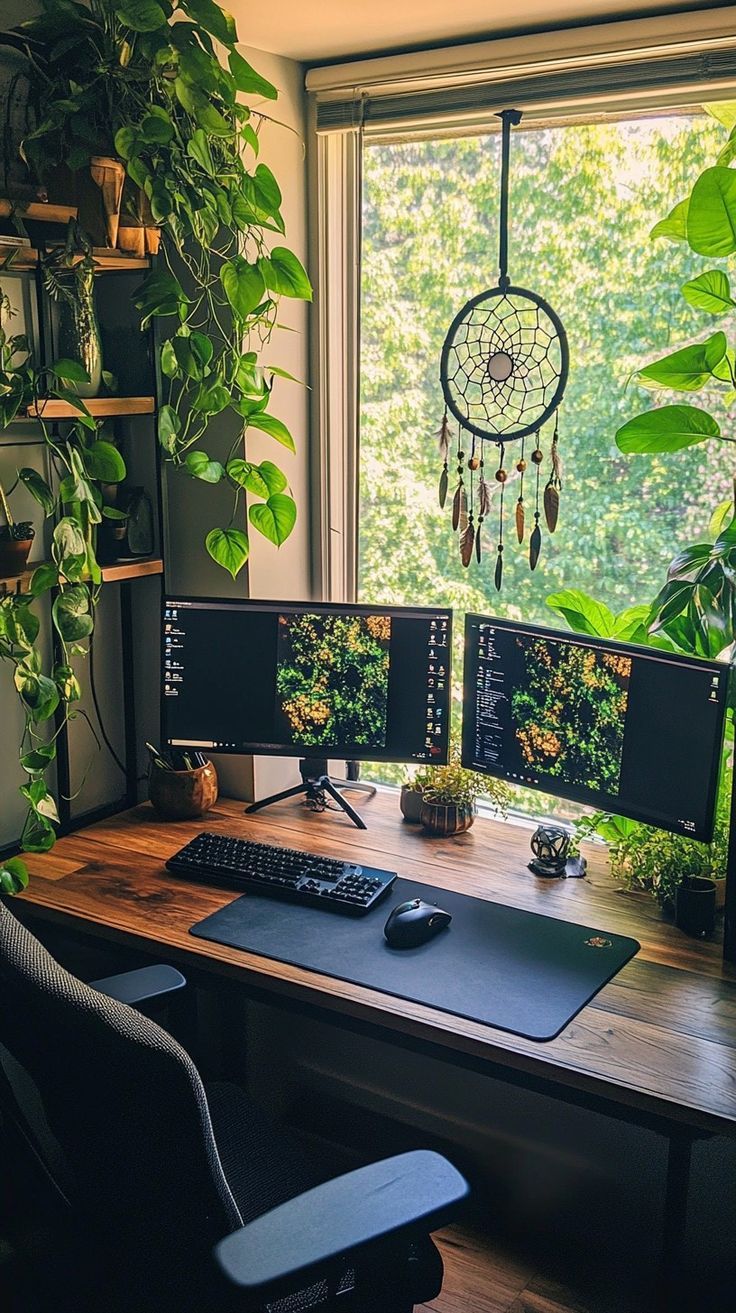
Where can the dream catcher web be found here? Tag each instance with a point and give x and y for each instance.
(503, 372)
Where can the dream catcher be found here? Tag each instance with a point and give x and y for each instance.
(503, 373)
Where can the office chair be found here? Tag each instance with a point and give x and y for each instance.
(186, 1199)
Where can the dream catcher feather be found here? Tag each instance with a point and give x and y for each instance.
(503, 372)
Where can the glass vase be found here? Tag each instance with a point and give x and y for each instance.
(79, 331)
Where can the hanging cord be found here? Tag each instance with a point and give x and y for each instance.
(98, 712)
(509, 118)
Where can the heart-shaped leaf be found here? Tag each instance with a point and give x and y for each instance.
(169, 428)
(710, 291)
(674, 227)
(285, 275)
(243, 285)
(38, 488)
(13, 875)
(229, 548)
(201, 467)
(103, 461)
(711, 219)
(38, 758)
(275, 518)
(141, 15)
(71, 614)
(582, 613)
(275, 428)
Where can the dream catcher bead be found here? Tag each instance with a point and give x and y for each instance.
(501, 476)
(521, 466)
(474, 463)
(537, 455)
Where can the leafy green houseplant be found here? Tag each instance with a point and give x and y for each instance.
(641, 856)
(160, 84)
(16, 537)
(695, 610)
(449, 795)
(83, 462)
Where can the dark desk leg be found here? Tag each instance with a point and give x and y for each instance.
(671, 1295)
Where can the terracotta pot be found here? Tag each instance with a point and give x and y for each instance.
(109, 175)
(180, 795)
(14, 555)
(410, 803)
(447, 818)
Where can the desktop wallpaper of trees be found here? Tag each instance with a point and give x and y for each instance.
(332, 679)
(569, 717)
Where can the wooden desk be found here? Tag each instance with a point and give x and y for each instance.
(659, 1042)
(656, 1047)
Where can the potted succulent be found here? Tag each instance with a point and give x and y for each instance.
(449, 795)
(16, 537)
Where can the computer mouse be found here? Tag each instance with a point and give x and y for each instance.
(413, 923)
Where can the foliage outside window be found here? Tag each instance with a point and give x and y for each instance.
(584, 199)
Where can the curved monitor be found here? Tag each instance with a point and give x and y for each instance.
(629, 729)
(306, 679)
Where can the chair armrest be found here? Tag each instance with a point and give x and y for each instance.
(418, 1190)
(140, 986)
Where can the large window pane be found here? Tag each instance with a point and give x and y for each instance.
(583, 199)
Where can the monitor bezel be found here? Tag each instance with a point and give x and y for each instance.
(308, 751)
(588, 797)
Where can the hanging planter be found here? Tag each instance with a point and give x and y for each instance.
(108, 173)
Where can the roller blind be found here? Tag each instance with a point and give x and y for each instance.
(687, 77)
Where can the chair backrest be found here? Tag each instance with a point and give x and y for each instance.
(126, 1105)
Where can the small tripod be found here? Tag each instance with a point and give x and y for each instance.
(315, 784)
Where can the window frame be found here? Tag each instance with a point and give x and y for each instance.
(335, 198)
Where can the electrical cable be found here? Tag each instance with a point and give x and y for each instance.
(93, 689)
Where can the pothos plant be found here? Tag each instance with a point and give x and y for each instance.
(81, 461)
(159, 83)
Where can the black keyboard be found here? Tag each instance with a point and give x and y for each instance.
(289, 873)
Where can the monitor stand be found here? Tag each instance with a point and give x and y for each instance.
(315, 784)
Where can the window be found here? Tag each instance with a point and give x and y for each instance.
(584, 197)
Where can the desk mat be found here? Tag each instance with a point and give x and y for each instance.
(514, 970)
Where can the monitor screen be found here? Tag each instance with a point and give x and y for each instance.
(307, 679)
(629, 729)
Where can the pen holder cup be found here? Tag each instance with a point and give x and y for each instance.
(180, 795)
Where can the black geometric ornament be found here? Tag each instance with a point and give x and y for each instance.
(503, 372)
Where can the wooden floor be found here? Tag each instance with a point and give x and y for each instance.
(481, 1278)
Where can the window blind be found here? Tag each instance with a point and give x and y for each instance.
(705, 74)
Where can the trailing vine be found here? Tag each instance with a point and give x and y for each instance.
(81, 462)
(144, 80)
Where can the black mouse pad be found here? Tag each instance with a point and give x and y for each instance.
(498, 965)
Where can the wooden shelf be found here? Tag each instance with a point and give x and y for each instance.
(25, 260)
(112, 574)
(37, 211)
(101, 407)
(20, 583)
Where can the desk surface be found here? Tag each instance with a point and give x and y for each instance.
(659, 1041)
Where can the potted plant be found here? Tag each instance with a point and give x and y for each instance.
(16, 537)
(165, 97)
(664, 864)
(69, 279)
(449, 795)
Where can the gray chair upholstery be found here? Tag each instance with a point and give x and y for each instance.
(154, 1169)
